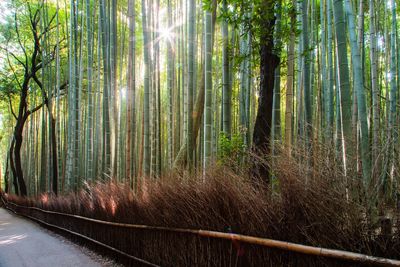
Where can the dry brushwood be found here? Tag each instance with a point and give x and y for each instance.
(307, 207)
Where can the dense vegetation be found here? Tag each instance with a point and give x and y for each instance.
(318, 215)
(139, 92)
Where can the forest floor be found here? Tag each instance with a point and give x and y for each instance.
(23, 243)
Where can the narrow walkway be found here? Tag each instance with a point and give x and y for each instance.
(24, 243)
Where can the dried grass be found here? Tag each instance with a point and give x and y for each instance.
(312, 206)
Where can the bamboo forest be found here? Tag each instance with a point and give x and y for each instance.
(126, 126)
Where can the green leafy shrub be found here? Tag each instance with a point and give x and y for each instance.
(231, 150)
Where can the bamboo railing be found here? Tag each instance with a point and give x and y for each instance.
(263, 242)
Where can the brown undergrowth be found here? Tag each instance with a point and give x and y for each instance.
(308, 205)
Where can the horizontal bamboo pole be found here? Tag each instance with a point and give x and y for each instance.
(265, 242)
(309, 250)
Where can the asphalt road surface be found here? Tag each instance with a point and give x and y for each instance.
(25, 244)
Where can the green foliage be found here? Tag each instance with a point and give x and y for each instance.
(231, 150)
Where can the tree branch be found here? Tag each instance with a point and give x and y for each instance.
(30, 112)
(39, 83)
(13, 55)
(13, 71)
(11, 107)
(48, 28)
(19, 39)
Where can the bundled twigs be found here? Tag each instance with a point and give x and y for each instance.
(251, 240)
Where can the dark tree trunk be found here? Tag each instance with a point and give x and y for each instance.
(6, 175)
(268, 63)
(12, 165)
(17, 155)
(23, 112)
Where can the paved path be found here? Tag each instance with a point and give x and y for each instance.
(25, 244)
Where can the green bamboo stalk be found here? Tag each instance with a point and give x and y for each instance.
(276, 114)
(190, 83)
(344, 80)
(146, 132)
(359, 89)
(208, 90)
(290, 80)
(307, 87)
(226, 89)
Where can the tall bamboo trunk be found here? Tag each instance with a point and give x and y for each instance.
(208, 90)
(290, 81)
(146, 112)
(344, 81)
(359, 88)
